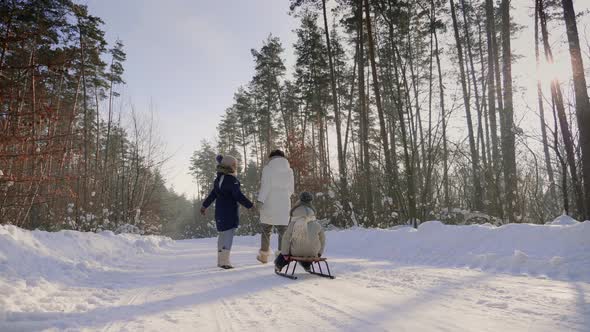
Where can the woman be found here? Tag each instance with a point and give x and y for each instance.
(226, 190)
(304, 237)
(274, 201)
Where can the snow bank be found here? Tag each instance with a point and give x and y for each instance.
(68, 255)
(563, 220)
(560, 250)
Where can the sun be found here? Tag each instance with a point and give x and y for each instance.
(548, 72)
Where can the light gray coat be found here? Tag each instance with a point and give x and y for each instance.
(308, 244)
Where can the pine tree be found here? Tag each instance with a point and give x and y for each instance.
(266, 83)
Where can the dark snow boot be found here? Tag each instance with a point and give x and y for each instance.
(306, 266)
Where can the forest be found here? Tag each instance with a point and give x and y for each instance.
(394, 112)
(398, 112)
(62, 165)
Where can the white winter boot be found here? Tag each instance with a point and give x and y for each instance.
(223, 259)
(263, 256)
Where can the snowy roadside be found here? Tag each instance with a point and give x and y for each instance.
(552, 251)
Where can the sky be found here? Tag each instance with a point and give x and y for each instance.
(188, 57)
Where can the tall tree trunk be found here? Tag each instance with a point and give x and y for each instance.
(409, 166)
(484, 106)
(377, 92)
(342, 176)
(566, 205)
(581, 92)
(491, 81)
(427, 191)
(474, 82)
(441, 86)
(35, 159)
(499, 90)
(477, 193)
(557, 98)
(351, 100)
(85, 129)
(96, 169)
(268, 127)
(508, 148)
(364, 118)
(106, 169)
(549, 167)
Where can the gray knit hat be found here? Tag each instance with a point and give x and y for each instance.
(306, 197)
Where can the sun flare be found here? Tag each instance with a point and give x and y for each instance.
(547, 72)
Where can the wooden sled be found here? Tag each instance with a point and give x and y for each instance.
(316, 265)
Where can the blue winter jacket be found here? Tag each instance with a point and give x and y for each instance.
(226, 190)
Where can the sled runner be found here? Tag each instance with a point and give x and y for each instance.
(316, 265)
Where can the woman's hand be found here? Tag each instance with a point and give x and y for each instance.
(203, 210)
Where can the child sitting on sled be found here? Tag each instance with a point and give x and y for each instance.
(304, 236)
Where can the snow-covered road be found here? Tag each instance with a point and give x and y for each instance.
(178, 288)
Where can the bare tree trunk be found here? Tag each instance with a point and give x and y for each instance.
(409, 167)
(268, 129)
(475, 86)
(491, 81)
(498, 79)
(488, 150)
(377, 92)
(553, 194)
(342, 176)
(427, 191)
(351, 100)
(37, 183)
(106, 169)
(321, 146)
(557, 98)
(581, 92)
(477, 194)
(364, 118)
(441, 87)
(508, 147)
(85, 125)
(124, 185)
(566, 205)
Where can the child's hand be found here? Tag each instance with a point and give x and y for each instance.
(203, 211)
(258, 206)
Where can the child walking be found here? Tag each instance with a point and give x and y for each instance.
(226, 190)
(304, 236)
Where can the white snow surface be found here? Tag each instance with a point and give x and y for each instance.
(564, 219)
(517, 277)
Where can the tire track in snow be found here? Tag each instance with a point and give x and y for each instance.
(129, 302)
(321, 304)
